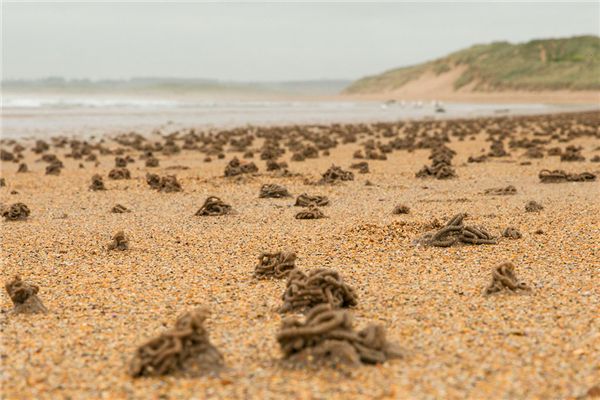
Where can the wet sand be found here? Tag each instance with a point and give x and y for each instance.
(459, 343)
(33, 115)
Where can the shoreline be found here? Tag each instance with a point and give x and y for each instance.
(424, 90)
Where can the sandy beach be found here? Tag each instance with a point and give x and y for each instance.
(457, 342)
(434, 91)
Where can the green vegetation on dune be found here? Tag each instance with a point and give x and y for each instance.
(550, 64)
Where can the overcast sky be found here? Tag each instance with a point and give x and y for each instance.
(263, 41)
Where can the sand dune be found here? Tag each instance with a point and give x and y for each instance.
(429, 87)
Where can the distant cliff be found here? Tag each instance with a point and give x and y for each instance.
(174, 86)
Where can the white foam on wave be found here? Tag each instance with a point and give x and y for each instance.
(70, 102)
(32, 102)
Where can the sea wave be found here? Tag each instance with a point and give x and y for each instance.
(83, 102)
(44, 102)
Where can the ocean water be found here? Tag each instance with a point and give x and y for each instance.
(39, 116)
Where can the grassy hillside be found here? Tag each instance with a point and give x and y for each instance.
(550, 64)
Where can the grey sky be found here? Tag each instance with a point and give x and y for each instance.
(263, 41)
